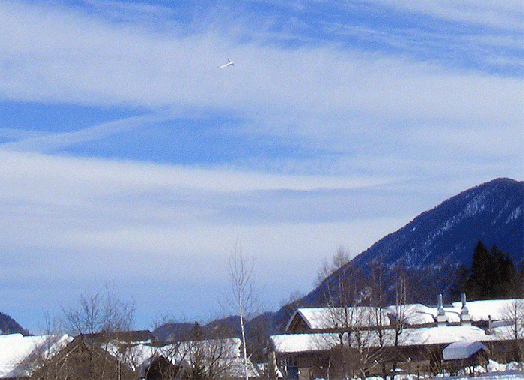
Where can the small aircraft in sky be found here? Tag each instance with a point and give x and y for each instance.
(229, 63)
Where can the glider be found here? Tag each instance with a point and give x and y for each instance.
(229, 63)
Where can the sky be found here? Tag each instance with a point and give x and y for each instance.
(130, 161)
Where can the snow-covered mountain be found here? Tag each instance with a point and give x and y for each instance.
(447, 234)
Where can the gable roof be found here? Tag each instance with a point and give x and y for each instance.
(435, 335)
(339, 317)
(330, 319)
(15, 349)
(462, 350)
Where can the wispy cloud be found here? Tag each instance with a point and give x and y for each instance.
(53, 142)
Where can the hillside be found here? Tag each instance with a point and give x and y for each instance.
(431, 248)
(447, 234)
(9, 326)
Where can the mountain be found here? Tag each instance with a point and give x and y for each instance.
(9, 326)
(447, 234)
(433, 246)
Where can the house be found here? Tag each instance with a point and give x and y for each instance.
(20, 355)
(459, 355)
(84, 357)
(211, 358)
(336, 342)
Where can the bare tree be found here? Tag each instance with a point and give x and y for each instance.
(97, 321)
(241, 275)
(200, 359)
(337, 261)
(513, 316)
(99, 313)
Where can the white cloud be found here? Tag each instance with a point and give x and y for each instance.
(493, 13)
(52, 142)
(50, 59)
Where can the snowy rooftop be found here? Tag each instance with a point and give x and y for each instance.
(292, 343)
(461, 350)
(329, 318)
(304, 342)
(414, 314)
(16, 348)
(497, 309)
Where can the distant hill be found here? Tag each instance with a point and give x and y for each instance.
(9, 326)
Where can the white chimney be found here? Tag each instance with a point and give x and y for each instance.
(441, 315)
(465, 317)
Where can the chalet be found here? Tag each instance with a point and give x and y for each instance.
(20, 355)
(84, 358)
(211, 358)
(336, 342)
(459, 355)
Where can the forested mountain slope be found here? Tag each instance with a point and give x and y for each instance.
(432, 247)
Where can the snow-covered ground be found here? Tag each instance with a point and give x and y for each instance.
(494, 371)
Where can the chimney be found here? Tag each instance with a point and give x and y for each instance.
(465, 317)
(489, 331)
(441, 315)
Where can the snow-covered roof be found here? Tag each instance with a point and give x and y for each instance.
(497, 309)
(338, 317)
(224, 353)
(292, 343)
(16, 348)
(461, 350)
(413, 314)
(443, 335)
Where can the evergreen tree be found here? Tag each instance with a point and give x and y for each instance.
(480, 282)
(503, 272)
(490, 276)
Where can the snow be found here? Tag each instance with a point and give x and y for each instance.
(482, 310)
(495, 371)
(443, 335)
(326, 318)
(291, 343)
(15, 348)
(461, 350)
(415, 314)
(222, 352)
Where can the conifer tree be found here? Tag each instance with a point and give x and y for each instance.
(490, 276)
(482, 276)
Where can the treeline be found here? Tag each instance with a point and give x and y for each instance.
(492, 275)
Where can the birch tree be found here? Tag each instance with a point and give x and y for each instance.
(241, 275)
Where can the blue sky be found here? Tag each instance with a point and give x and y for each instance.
(130, 160)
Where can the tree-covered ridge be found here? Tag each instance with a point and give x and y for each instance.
(9, 326)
